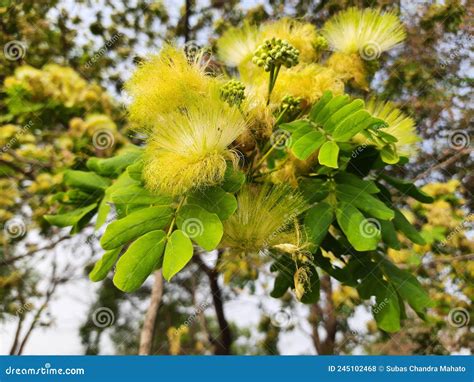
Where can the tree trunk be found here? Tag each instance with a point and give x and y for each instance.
(222, 344)
(146, 336)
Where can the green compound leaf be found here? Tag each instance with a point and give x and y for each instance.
(344, 112)
(134, 225)
(84, 180)
(362, 233)
(136, 194)
(203, 227)
(113, 167)
(305, 146)
(389, 155)
(178, 252)
(233, 179)
(408, 288)
(215, 200)
(104, 265)
(408, 188)
(142, 257)
(70, 218)
(364, 201)
(404, 226)
(318, 106)
(386, 310)
(328, 154)
(317, 222)
(353, 180)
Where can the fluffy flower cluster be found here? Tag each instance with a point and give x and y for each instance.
(189, 125)
(265, 217)
(189, 150)
(368, 32)
(56, 83)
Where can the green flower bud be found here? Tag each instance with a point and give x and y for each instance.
(233, 92)
(274, 53)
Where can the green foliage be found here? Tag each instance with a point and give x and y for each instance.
(136, 224)
(178, 252)
(141, 258)
(203, 227)
(103, 266)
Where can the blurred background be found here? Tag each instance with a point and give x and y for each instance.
(62, 69)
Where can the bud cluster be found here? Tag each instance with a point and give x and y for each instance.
(290, 103)
(233, 92)
(274, 53)
(320, 43)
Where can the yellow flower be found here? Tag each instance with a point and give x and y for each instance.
(348, 66)
(368, 32)
(59, 83)
(300, 35)
(189, 149)
(399, 125)
(306, 81)
(163, 84)
(265, 217)
(237, 44)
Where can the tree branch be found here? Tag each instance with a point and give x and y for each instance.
(223, 345)
(147, 333)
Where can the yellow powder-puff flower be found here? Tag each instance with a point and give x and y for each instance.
(163, 84)
(300, 35)
(349, 67)
(189, 149)
(368, 32)
(237, 44)
(265, 217)
(399, 125)
(308, 82)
